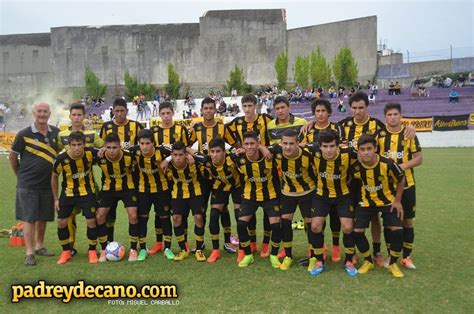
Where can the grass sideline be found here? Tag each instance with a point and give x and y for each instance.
(443, 254)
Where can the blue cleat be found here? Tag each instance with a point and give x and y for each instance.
(318, 269)
(350, 269)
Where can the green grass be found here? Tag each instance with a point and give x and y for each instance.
(443, 254)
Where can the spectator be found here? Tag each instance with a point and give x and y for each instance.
(421, 91)
(453, 96)
(391, 88)
(375, 88)
(397, 88)
(448, 82)
(372, 98)
(340, 106)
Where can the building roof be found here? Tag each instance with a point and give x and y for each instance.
(270, 15)
(38, 39)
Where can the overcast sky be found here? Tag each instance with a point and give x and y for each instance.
(422, 27)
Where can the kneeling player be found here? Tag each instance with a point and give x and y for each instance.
(77, 191)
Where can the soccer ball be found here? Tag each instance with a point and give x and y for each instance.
(114, 251)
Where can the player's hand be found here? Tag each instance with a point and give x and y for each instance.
(409, 132)
(191, 151)
(101, 152)
(191, 160)
(266, 153)
(240, 150)
(56, 205)
(397, 206)
(308, 126)
(164, 166)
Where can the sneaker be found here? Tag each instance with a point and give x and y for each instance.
(30, 260)
(318, 269)
(265, 251)
(73, 252)
(64, 257)
(335, 254)
(132, 255)
(44, 252)
(199, 255)
(230, 248)
(215, 255)
(378, 259)
(158, 246)
(408, 263)
(282, 253)
(303, 262)
(234, 240)
(395, 271)
(182, 255)
(312, 263)
(366, 266)
(246, 261)
(350, 269)
(194, 250)
(240, 255)
(102, 257)
(92, 255)
(169, 254)
(142, 255)
(274, 261)
(286, 264)
(253, 247)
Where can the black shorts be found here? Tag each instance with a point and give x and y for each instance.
(87, 204)
(222, 197)
(270, 207)
(354, 188)
(341, 205)
(409, 202)
(183, 206)
(305, 202)
(109, 198)
(160, 201)
(363, 216)
(206, 188)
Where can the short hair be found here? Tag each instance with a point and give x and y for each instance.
(78, 107)
(358, 97)
(281, 99)
(392, 105)
(77, 136)
(365, 139)
(178, 146)
(145, 133)
(249, 98)
(217, 142)
(120, 102)
(327, 136)
(321, 102)
(290, 133)
(251, 134)
(112, 138)
(164, 105)
(208, 100)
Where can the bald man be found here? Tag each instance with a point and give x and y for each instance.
(37, 148)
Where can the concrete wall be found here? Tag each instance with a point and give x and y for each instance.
(394, 58)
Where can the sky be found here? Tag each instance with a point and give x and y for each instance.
(424, 28)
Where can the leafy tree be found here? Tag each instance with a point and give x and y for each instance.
(345, 68)
(281, 68)
(320, 70)
(302, 71)
(93, 86)
(236, 80)
(135, 87)
(172, 88)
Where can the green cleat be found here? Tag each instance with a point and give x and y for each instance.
(312, 263)
(274, 261)
(169, 254)
(246, 261)
(286, 264)
(142, 255)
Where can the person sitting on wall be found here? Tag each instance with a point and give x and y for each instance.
(453, 96)
(391, 88)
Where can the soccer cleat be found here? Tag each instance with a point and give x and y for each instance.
(240, 255)
(132, 255)
(215, 255)
(64, 257)
(169, 254)
(318, 269)
(335, 254)
(395, 271)
(199, 255)
(378, 259)
(366, 266)
(229, 248)
(312, 263)
(408, 263)
(92, 256)
(253, 247)
(158, 246)
(246, 261)
(303, 262)
(142, 255)
(103, 257)
(182, 255)
(194, 249)
(265, 251)
(350, 269)
(274, 261)
(286, 264)
(73, 252)
(282, 253)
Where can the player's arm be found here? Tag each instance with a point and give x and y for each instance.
(14, 162)
(229, 134)
(409, 132)
(397, 174)
(54, 188)
(18, 147)
(265, 152)
(417, 159)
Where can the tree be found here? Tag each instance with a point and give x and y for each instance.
(172, 88)
(345, 68)
(281, 68)
(320, 70)
(302, 71)
(236, 80)
(135, 87)
(93, 86)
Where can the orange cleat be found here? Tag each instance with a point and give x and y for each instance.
(335, 254)
(64, 257)
(253, 247)
(240, 255)
(215, 255)
(157, 247)
(281, 254)
(265, 251)
(93, 259)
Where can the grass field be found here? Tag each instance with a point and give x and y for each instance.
(443, 254)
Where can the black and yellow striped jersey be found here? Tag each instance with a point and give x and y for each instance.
(204, 134)
(313, 133)
(259, 179)
(117, 175)
(186, 182)
(92, 138)
(127, 132)
(394, 145)
(332, 174)
(276, 129)
(298, 175)
(224, 177)
(352, 131)
(78, 177)
(378, 182)
(151, 178)
(168, 136)
(237, 127)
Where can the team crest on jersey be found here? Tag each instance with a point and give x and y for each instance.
(109, 126)
(88, 140)
(351, 208)
(318, 154)
(155, 129)
(208, 164)
(380, 178)
(266, 171)
(66, 161)
(93, 209)
(198, 128)
(278, 156)
(103, 161)
(240, 121)
(349, 123)
(175, 136)
(341, 168)
(276, 208)
(242, 161)
(356, 168)
(382, 133)
(134, 198)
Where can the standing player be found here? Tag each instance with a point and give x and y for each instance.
(77, 191)
(407, 154)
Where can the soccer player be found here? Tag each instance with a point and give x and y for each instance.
(117, 185)
(284, 120)
(127, 131)
(77, 191)
(407, 154)
(260, 186)
(382, 183)
(153, 189)
(186, 195)
(225, 183)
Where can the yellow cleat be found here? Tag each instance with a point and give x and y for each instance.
(312, 263)
(246, 261)
(274, 261)
(182, 255)
(199, 255)
(395, 271)
(366, 267)
(286, 264)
